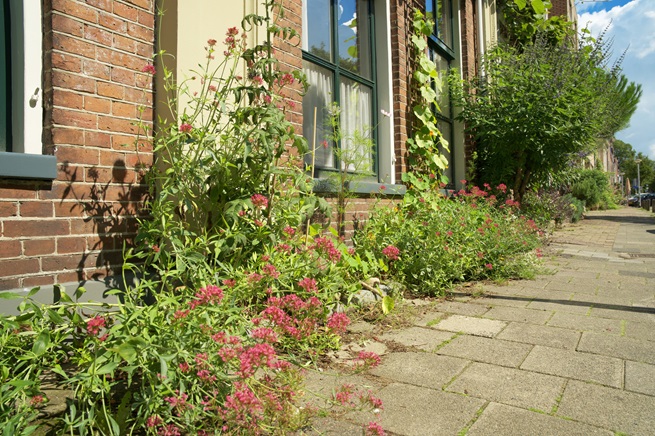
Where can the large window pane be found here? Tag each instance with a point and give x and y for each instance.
(316, 28)
(356, 126)
(443, 97)
(318, 100)
(446, 129)
(354, 37)
(440, 11)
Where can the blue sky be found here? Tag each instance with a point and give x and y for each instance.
(632, 26)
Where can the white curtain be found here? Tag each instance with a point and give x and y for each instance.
(356, 126)
(317, 100)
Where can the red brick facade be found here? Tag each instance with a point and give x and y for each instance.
(74, 228)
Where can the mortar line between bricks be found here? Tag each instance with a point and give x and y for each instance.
(552, 315)
(526, 357)
(558, 400)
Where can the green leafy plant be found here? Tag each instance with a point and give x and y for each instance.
(426, 162)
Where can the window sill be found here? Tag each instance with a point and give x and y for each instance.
(361, 187)
(27, 166)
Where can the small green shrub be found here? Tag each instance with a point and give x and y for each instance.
(429, 243)
(592, 187)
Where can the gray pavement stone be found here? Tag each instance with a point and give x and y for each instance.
(640, 377)
(329, 427)
(421, 369)
(515, 387)
(617, 346)
(500, 419)
(640, 330)
(519, 315)
(609, 408)
(320, 386)
(540, 335)
(428, 319)
(360, 327)
(495, 300)
(461, 308)
(417, 411)
(472, 326)
(560, 305)
(585, 323)
(494, 351)
(422, 338)
(572, 364)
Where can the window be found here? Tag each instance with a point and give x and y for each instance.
(339, 48)
(21, 122)
(441, 45)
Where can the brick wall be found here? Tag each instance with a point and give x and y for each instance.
(74, 228)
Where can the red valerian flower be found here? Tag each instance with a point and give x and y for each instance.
(94, 325)
(186, 127)
(374, 429)
(260, 201)
(489, 266)
(391, 252)
(149, 68)
(338, 322)
(211, 42)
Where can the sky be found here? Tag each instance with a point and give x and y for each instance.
(632, 26)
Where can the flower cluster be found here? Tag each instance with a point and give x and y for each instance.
(95, 324)
(391, 252)
(338, 322)
(259, 201)
(326, 245)
(207, 295)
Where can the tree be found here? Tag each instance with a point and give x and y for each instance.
(535, 107)
(627, 157)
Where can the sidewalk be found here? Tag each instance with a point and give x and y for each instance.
(571, 353)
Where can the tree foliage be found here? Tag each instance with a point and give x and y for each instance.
(535, 107)
(627, 157)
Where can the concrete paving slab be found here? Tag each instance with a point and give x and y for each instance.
(494, 351)
(540, 335)
(617, 346)
(515, 387)
(428, 319)
(500, 419)
(562, 305)
(519, 315)
(628, 313)
(472, 326)
(640, 377)
(585, 323)
(422, 338)
(330, 427)
(572, 364)
(494, 300)
(417, 411)
(320, 386)
(640, 330)
(360, 327)
(421, 369)
(610, 408)
(461, 308)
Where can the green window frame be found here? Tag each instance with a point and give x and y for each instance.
(441, 50)
(341, 68)
(22, 120)
(5, 77)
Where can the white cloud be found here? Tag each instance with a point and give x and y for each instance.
(652, 152)
(632, 27)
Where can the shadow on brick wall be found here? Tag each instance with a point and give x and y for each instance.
(107, 203)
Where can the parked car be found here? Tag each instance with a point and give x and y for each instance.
(634, 200)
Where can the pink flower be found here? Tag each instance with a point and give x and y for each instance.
(230, 283)
(502, 187)
(265, 334)
(149, 68)
(94, 325)
(208, 295)
(211, 42)
(184, 367)
(308, 284)
(374, 429)
(338, 322)
(270, 271)
(290, 231)
(259, 201)
(153, 421)
(36, 400)
(391, 252)
(185, 127)
(344, 394)
(369, 358)
(489, 266)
